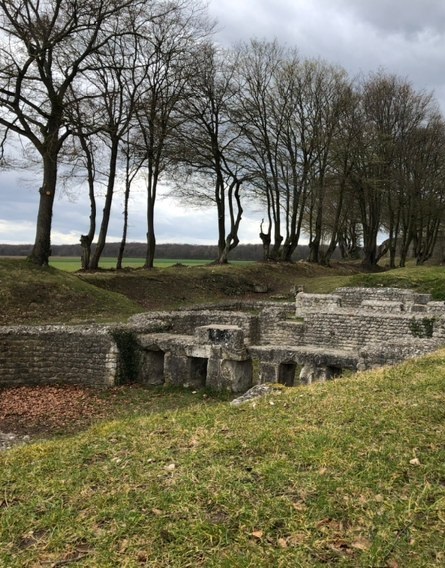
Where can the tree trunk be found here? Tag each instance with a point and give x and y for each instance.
(123, 242)
(221, 212)
(41, 250)
(87, 240)
(314, 245)
(151, 238)
(232, 239)
(107, 208)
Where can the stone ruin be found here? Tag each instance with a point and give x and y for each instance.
(235, 346)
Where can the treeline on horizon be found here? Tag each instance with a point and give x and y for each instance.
(176, 251)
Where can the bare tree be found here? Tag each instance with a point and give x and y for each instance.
(391, 111)
(207, 145)
(261, 124)
(289, 111)
(172, 42)
(45, 49)
(427, 200)
(117, 78)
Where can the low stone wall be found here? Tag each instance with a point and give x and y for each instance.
(354, 297)
(348, 330)
(301, 365)
(392, 353)
(184, 322)
(58, 354)
(278, 325)
(214, 357)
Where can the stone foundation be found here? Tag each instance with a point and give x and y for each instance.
(314, 339)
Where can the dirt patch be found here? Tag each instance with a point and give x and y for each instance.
(172, 288)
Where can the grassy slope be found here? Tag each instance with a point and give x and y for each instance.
(29, 294)
(346, 473)
(33, 295)
(174, 287)
(429, 279)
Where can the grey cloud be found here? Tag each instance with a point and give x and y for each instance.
(405, 37)
(407, 17)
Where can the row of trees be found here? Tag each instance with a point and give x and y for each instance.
(111, 93)
(169, 251)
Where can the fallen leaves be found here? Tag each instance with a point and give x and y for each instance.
(36, 409)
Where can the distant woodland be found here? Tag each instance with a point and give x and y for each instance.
(171, 251)
(100, 95)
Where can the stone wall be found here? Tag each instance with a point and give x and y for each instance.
(279, 326)
(58, 354)
(313, 339)
(384, 325)
(184, 322)
(354, 297)
(350, 330)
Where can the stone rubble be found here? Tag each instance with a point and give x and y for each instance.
(10, 440)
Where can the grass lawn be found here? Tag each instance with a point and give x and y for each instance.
(348, 473)
(72, 264)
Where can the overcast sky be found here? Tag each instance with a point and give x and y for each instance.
(406, 37)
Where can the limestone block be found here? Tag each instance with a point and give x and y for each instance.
(383, 306)
(232, 376)
(230, 337)
(151, 371)
(268, 372)
(176, 371)
(316, 302)
(311, 373)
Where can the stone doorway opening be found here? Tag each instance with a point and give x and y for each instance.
(197, 371)
(287, 373)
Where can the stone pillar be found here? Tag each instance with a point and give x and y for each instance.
(229, 365)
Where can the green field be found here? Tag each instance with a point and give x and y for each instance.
(72, 264)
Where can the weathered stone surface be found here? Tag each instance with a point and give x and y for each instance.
(354, 297)
(351, 329)
(255, 392)
(58, 354)
(308, 302)
(229, 337)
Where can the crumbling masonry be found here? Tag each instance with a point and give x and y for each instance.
(316, 337)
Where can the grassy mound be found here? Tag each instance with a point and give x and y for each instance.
(180, 286)
(46, 295)
(30, 294)
(347, 473)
